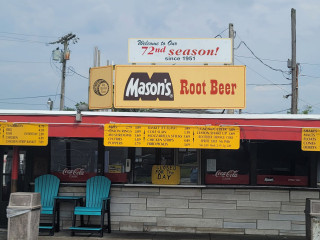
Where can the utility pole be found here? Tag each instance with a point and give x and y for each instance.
(64, 57)
(294, 97)
(231, 35)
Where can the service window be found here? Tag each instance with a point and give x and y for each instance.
(189, 167)
(74, 160)
(282, 163)
(116, 167)
(226, 166)
(145, 158)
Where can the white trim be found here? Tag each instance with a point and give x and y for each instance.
(164, 115)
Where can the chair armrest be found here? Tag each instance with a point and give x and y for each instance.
(106, 203)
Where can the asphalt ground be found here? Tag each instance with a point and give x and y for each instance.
(116, 235)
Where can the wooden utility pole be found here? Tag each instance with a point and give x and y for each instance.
(231, 35)
(65, 41)
(294, 97)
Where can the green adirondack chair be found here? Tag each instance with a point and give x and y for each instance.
(48, 187)
(97, 203)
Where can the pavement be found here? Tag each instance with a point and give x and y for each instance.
(116, 235)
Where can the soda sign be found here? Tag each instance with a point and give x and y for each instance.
(180, 87)
(179, 50)
(227, 177)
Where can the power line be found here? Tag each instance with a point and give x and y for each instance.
(219, 35)
(13, 39)
(260, 60)
(272, 83)
(38, 104)
(72, 70)
(283, 110)
(13, 61)
(304, 75)
(30, 35)
(26, 97)
(265, 59)
(70, 99)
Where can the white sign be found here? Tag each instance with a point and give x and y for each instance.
(178, 50)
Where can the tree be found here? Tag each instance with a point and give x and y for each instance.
(307, 109)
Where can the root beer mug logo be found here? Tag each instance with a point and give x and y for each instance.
(101, 87)
(140, 86)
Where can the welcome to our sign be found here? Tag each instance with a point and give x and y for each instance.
(177, 50)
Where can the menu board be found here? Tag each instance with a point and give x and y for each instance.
(171, 136)
(23, 134)
(310, 140)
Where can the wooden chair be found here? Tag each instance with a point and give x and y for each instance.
(48, 187)
(97, 203)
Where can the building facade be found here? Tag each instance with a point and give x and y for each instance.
(258, 188)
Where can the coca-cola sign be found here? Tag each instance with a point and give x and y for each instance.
(227, 174)
(73, 173)
(227, 177)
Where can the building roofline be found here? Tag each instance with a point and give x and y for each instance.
(162, 115)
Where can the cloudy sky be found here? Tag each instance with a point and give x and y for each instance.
(29, 76)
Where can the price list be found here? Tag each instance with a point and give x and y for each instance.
(310, 140)
(217, 137)
(24, 134)
(171, 136)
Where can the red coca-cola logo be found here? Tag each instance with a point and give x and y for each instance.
(228, 174)
(73, 172)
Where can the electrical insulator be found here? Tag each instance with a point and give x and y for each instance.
(56, 55)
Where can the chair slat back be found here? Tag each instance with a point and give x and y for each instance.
(48, 187)
(97, 188)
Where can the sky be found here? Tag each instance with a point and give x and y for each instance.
(29, 76)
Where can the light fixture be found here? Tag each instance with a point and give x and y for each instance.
(78, 115)
(50, 103)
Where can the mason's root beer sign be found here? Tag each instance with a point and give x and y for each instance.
(180, 87)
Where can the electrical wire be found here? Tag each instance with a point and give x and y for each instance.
(38, 104)
(283, 110)
(12, 39)
(299, 99)
(72, 70)
(221, 33)
(265, 59)
(272, 83)
(260, 60)
(11, 61)
(30, 35)
(26, 97)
